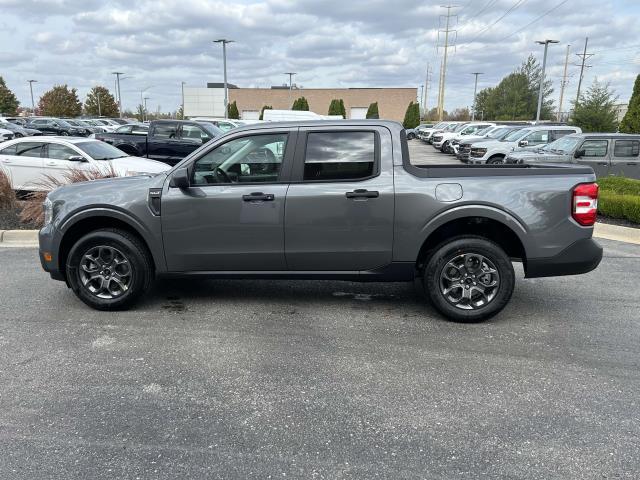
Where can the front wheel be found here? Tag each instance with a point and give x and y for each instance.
(469, 279)
(495, 161)
(109, 269)
(64, 134)
(411, 136)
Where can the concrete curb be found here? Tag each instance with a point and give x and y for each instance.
(29, 238)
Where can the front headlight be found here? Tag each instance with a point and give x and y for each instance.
(47, 207)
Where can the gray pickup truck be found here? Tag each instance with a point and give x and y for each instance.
(323, 200)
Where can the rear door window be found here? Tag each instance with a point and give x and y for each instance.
(626, 148)
(165, 130)
(28, 149)
(335, 156)
(538, 137)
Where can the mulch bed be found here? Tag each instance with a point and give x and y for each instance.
(10, 220)
(620, 222)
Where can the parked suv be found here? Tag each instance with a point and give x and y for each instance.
(56, 126)
(323, 200)
(606, 153)
(495, 151)
(463, 147)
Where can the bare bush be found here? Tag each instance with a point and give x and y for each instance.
(7, 195)
(32, 211)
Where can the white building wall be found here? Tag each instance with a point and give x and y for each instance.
(203, 102)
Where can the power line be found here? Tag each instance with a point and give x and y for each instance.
(490, 3)
(536, 19)
(513, 7)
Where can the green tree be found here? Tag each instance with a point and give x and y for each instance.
(596, 110)
(631, 121)
(266, 107)
(8, 101)
(516, 96)
(343, 111)
(233, 112)
(336, 107)
(372, 111)
(300, 104)
(140, 113)
(412, 116)
(99, 101)
(60, 101)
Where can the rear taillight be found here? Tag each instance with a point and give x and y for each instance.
(585, 204)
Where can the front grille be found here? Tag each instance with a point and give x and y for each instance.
(437, 138)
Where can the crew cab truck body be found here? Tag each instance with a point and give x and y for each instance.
(323, 200)
(167, 141)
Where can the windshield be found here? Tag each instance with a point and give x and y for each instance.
(516, 135)
(562, 145)
(100, 151)
(211, 129)
(483, 130)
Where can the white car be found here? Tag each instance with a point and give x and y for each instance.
(5, 134)
(28, 160)
(445, 140)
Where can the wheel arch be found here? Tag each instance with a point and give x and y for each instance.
(88, 221)
(497, 226)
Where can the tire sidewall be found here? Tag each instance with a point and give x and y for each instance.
(139, 271)
(444, 253)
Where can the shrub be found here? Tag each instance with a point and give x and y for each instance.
(620, 185)
(372, 111)
(619, 206)
(266, 107)
(232, 111)
(7, 195)
(32, 212)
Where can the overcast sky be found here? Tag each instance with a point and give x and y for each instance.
(331, 43)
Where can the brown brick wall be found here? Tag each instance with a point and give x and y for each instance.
(392, 102)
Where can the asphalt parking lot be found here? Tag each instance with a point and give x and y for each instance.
(422, 153)
(320, 379)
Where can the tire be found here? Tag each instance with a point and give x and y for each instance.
(459, 255)
(64, 133)
(411, 136)
(18, 135)
(113, 255)
(495, 161)
(444, 147)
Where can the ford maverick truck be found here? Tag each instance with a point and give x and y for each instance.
(336, 200)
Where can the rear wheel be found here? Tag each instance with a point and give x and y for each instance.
(109, 269)
(495, 161)
(64, 134)
(469, 279)
(18, 135)
(411, 136)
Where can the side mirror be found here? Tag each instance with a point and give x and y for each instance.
(77, 158)
(180, 178)
(523, 143)
(579, 153)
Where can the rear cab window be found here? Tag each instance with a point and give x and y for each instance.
(595, 148)
(626, 148)
(336, 156)
(165, 130)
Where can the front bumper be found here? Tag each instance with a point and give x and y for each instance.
(580, 257)
(48, 252)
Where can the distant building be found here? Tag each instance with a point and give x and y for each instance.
(621, 110)
(209, 101)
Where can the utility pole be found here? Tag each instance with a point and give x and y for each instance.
(291, 74)
(224, 42)
(544, 66)
(426, 89)
(563, 84)
(475, 91)
(33, 105)
(443, 72)
(182, 85)
(584, 57)
(98, 97)
(144, 113)
(117, 74)
(420, 100)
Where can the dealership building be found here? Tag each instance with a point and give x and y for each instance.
(209, 101)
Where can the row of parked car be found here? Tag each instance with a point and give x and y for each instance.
(526, 143)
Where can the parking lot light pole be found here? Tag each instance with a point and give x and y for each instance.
(182, 85)
(33, 105)
(291, 74)
(117, 74)
(544, 66)
(144, 113)
(475, 91)
(224, 42)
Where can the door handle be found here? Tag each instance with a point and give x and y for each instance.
(362, 193)
(6, 161)
(52, 163)
(258, 197)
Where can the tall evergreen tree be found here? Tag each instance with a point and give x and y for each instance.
(412, 116)
(631, 121)
(372, 111)
(99, 101)
(233, 112)
(300, 104)
(60, 101)
(334, 107)
(596, 110)
(8, 101)
(343, 111)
